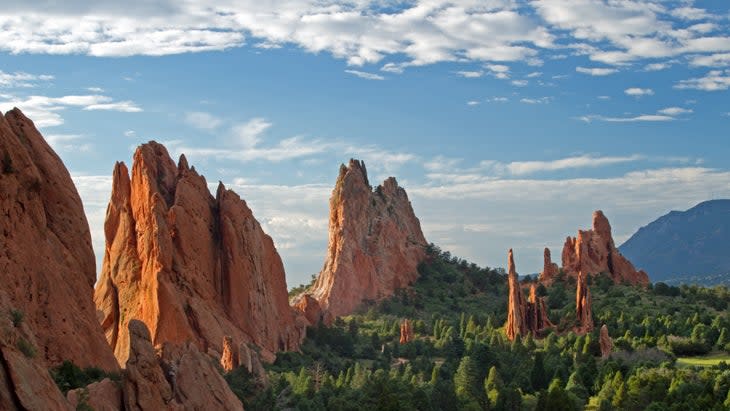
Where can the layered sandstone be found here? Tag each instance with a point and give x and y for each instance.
(47, 265)
(605, 342)
(375, 242)
(178, 378)
(583, 310)
(406, 331)
(593, 252)
(523, 316)
(191, 266)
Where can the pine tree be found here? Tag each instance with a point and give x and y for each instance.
(722, 340)
(494, 388)
(466, 380)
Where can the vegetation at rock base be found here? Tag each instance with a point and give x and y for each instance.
(69, 376)
(461, 360)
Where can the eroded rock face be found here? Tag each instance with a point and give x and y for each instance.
(180, 378)
(47, 265)
(550, 270)
(593, 252)
(105, 395)
(583, 312)
(229, 357)
(375, 242)
(523, 316)
(191, 266)
(406, 331)
(606, 342)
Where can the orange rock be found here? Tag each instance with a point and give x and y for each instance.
(375, 242)
(583, 313)
(47, 265)
(229, 357)
(606, 342)
(191, 266)
(181, 378)
(311, 309)
(593, 252)
(406, 331)
(550, 270)
(105, 395)
(523, 316)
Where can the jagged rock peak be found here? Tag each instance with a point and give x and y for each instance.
(583, 309)
(550, 270)
(593, 252)
(190, 266)
(524, 316)
(47, 264)
(375, 243)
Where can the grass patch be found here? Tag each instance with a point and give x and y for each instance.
(703, 361)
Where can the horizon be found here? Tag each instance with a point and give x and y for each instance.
(508, 123)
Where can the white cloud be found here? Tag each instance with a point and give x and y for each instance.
(249, 134)
(604, 97)
(499, 71)
(68, 143)
(715, 80)
(95, 90)
(652, 118)
(534, 74)
(20, 79)
(498, 99)
(657, 66)
(44, 110)
(365, 75)
(690, 13)
(202, 120)
(639, 92)
(520, 83)
(531, 167)
(472, 103)
(470, 74)
(596, 71)
(713, 60)
(130, 133)
(675, 111)
(540, 100)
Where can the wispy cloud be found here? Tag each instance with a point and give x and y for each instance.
(21, 79)
(470, 74)
(715, 80)
(45, 110)
(539, 100)
(365, 75)
(520, 83)
(531, 167)
(631, 119)
(675, 111)
(472, 103)
(639, 92)
(203, 120)
(596, 71)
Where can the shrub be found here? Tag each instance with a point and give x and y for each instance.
(17, 317)
(26, 348)
(69, 376)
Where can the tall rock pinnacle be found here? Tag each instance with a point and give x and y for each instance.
(47, 265)
(583, 310)
(375, 242)
(593, 252)
(523, 316)
(191, 266)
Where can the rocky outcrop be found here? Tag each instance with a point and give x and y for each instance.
(47, 265)
(406, 331)
(229, 357)
(375, 242)
(191, 266)
(583, 310)
(593, 252)
(550, 270)
(180, 378)
(313, 313)
(105, 395)
(523, 316)
(605, 342)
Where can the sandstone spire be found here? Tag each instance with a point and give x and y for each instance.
(375, 242)
(550, 270)
(191, 266)
(406, 331)
(606, 342)
(524, 316)
(583, 313)
(593, 252)
(47, 265)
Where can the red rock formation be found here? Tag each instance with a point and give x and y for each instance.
(190, 266)
(523, 317)
(606, 342)
(406, 331)
(311, 309)
(180, 378)
(229, 357)
(593, 252)
(550, 270)
(47, 265)
(375, 242)
(105, 395)
(583, 313)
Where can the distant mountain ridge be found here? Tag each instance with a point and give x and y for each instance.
(692, 245)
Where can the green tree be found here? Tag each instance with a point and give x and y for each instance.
(493, 388)
(466, 380)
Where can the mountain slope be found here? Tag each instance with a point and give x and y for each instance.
(685, 244)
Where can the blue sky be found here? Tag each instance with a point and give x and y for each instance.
(508, 122)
